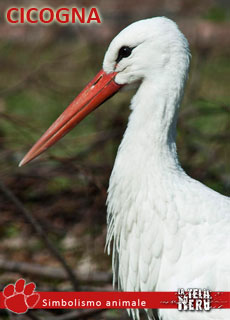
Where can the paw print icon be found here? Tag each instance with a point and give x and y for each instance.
(20, 297)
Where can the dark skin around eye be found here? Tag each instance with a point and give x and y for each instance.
(124, 52)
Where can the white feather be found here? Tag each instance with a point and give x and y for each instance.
(168, 230)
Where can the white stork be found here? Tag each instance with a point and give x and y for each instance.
(168, 230)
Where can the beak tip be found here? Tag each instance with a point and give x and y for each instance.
(22, 162)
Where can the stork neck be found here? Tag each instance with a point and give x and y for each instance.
(152, 123)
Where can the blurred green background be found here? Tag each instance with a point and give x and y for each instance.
(42, 70)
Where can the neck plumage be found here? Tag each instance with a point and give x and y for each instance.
(151, 132)
(147, 155)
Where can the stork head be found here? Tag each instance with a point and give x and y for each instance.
(146, 49)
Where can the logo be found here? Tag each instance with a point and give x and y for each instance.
(194, 300)
(20, 297)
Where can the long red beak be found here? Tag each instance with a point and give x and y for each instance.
(101, 88)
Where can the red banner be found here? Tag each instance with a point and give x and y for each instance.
(109, 300)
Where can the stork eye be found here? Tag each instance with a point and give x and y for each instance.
(124, 52)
